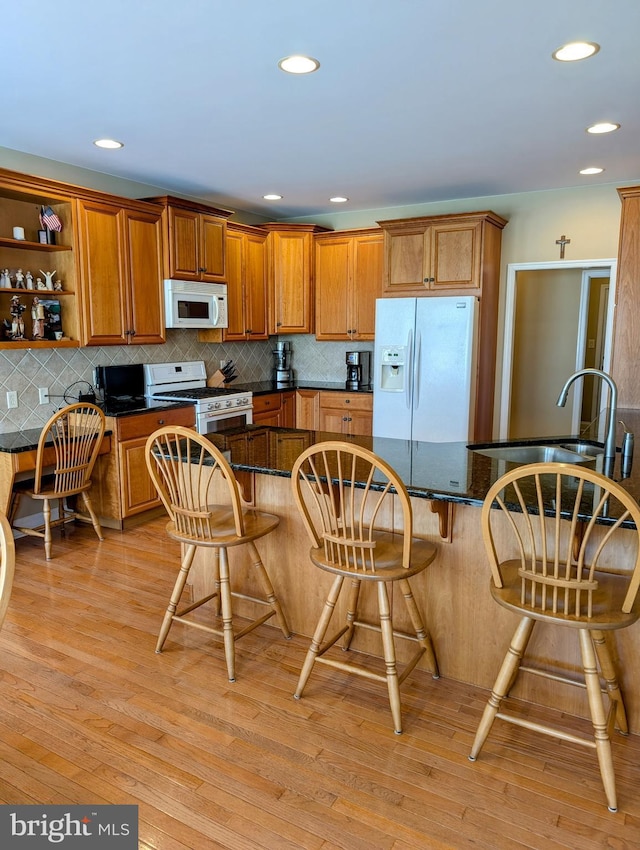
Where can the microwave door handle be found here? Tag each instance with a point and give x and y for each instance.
(215, 311)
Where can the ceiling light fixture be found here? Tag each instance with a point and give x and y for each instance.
(575, 50)
(603, 127)
(272, 197)
(108, 144)
(591, 170)
(298, 64)
(338, 200)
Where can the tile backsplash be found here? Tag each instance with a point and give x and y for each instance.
(68, 371)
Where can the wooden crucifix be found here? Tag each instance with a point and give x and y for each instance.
(562, 242)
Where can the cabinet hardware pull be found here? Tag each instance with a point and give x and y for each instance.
(345, 418)
(160, 421)
(347, 401)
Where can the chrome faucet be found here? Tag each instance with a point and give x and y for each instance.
(610, 445)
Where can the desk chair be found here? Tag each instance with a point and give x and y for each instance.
(75, 433)
(341, 523)
(190, 474)
(552, 575)
(7, 565)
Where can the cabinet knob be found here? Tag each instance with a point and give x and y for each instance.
(429, 279)
(347, 401)
(345, 418)
(202, 269)
(278, 324)
(160, 421)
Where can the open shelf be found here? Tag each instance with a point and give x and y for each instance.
(8, 344)
(24, 244)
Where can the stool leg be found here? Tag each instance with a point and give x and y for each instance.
(175, 596)
(46, 511)
(388, 645)
(268, 590)
(352, 612)
(94, 519)
(215, 567)
(419, 627)
(599, 719)
(318, 635)
(227, 615)
(506, 677)
(609, 674)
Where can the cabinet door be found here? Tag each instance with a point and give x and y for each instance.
(255, 285)
(334, 420)
(183, 244)
(359, 422)
(212, 244)
(145, 278)
(105, 303)
(288, 417)
(235, 288)
(453, 256)
(405, 259)
(137, 492)
(267, 409)
(333, 288)
(308, 409)
(366, 285)
(291, 256)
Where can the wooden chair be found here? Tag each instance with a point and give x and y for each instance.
(345, 541)
(75, 435)
(7, 565)
(190, 474)
(557, 571)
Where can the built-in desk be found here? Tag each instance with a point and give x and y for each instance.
(18, 451)
(469, 630)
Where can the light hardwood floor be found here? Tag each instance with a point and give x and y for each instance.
(90, 714)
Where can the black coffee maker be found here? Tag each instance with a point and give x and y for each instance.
(358, 369)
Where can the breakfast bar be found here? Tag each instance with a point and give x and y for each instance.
(447, 483)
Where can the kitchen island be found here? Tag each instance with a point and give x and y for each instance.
(447, 483)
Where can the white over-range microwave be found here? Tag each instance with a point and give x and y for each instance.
(195, 305)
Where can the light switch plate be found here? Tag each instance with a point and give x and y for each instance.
(12, 399)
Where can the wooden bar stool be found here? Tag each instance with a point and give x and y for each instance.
(187, 469)
(75, 434)
(552, 575)
(341, 522)
(7, 565)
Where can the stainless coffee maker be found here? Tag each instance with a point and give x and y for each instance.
(358, 369)
(282, 371)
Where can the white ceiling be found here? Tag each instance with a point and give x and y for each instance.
(415, 100)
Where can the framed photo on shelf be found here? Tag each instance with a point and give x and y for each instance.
(52, 318)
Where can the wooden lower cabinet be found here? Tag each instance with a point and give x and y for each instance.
(308, 409)
(122, 488)
(346, 413)
(278, 409)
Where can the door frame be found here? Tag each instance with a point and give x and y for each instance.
(510, 314)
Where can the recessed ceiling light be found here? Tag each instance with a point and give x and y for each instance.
(338, 200)
(603, 127)
(108, 144)
(575, 50)
(298, 64)
(272, 197)
(592, 170)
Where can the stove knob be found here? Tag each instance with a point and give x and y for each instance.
(228, 403)
(217, 405)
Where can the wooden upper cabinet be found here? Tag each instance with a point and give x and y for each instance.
(121, 279)
(348, 281)
(439, 254)
(246, 283)
(624, 356)
(194, 240)
(290, 274)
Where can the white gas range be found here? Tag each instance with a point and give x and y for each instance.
(216, 407)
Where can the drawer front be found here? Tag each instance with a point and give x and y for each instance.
(266, 403)
(130, 427)
(347, 401)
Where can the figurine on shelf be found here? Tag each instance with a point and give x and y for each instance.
(19, 279)
(48, 276)
(58, 286)
(29, 279)
(40, 284)
(5, 279)
(17, 322)
(37, 314)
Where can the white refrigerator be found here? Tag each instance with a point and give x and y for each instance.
(425, 368)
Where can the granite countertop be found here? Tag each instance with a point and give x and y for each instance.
(440, 471)
(264, 387)
(25, 441)
(140, 405)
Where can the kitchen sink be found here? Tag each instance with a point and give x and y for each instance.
(540, 452)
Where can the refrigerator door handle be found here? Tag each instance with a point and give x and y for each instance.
(416, 371)
(408, 389)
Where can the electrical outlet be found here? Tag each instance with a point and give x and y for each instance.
(12, 399)
(43, 395)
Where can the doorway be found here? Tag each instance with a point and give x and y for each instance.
(558, 319)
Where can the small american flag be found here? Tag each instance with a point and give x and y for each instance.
(49, 219)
